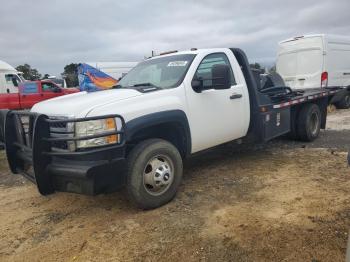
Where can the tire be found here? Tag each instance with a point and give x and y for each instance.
(309, 122)
(344, 103)
(293, 134)
(154, 173)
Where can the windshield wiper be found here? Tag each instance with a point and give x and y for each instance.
(144, 84)
(117, 86)
(149, 85)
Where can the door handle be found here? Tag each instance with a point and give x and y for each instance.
(346, 73)
(235, 96)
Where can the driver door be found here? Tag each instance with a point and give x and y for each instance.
(216, 116)
(49, 90)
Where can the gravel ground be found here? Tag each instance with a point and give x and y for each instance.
(284, 201)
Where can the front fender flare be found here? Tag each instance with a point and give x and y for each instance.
(171, 116)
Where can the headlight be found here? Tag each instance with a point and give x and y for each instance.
(95, 127)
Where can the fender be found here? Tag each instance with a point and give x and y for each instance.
(172, 116)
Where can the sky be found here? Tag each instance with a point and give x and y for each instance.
(50, 34)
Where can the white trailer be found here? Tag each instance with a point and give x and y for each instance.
(310, 61)
(9, 78)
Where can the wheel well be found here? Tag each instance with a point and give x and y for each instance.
(321, 103)
(172, 132)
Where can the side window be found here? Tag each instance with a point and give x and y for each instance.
(204, 68)
(12, 80)
(48, 87)
(30, 88)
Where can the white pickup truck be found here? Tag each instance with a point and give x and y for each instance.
(166, 108)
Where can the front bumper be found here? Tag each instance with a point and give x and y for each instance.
(31, 146)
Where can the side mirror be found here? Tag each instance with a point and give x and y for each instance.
(197, 85)
(221, 77)
(57, 90)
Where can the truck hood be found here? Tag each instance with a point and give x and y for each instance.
(80, 104)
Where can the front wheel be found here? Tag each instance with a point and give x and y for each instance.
(154, 172)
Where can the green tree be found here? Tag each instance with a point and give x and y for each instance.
(46, 76)
(70, 73)
(29, 73)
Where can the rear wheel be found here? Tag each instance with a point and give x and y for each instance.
(309, 122)
(344, 103)
(154, 173)
(293, 134)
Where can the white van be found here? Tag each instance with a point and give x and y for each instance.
(9, 78)
(312, 61)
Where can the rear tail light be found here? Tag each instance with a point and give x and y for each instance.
(324, 79)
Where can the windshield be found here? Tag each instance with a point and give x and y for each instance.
(162, 72)
(57, 81)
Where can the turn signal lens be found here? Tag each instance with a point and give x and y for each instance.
(111, 125)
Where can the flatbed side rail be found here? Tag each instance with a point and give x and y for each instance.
(305, 97)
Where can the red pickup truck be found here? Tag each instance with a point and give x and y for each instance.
(32, 92)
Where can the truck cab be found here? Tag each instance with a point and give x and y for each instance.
(165, 109)
(10, 78)
(31, 92)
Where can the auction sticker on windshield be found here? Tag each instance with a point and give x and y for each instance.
(177, 63)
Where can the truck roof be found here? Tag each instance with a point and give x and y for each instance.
(329, 37)
(6, 67)
(192, 51)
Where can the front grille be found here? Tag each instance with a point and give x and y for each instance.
(60, 145)
(58, 125)
(50, 136)
(61, 129)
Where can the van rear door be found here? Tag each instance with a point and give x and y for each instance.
(338, 63)
(300, 62)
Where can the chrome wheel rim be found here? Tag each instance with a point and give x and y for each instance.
(158, 175)
(314, 123)
(347, 100)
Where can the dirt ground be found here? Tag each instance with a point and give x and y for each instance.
(284, 201)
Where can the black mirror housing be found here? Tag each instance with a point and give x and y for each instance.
(57, 90)
(197, 85)
(221, 76)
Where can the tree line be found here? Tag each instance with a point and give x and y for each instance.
(70, 73)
